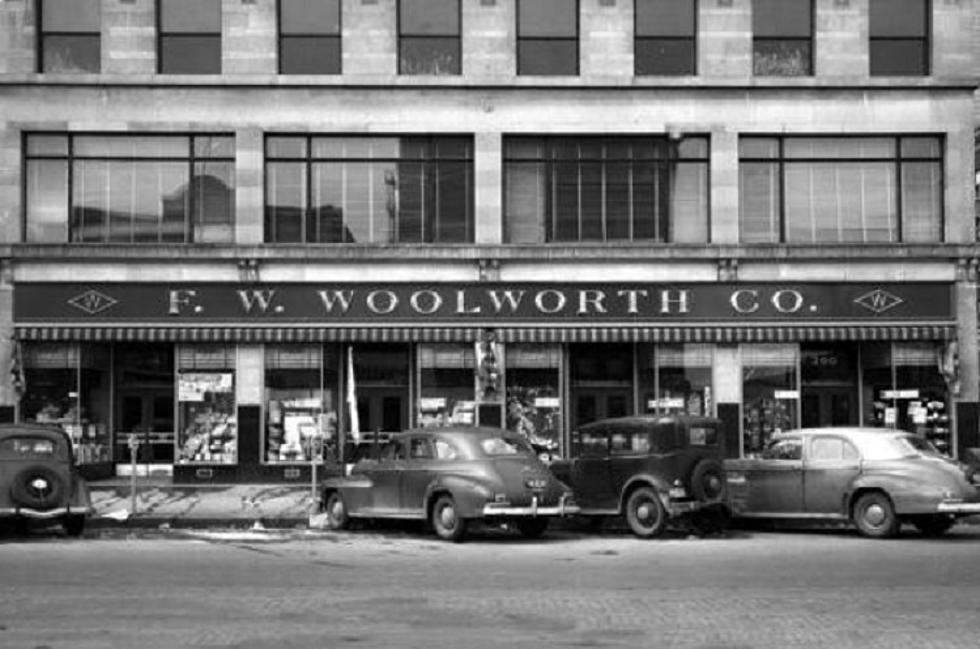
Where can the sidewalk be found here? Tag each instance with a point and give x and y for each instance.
(158, 502)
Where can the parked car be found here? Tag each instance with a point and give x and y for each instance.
(450, 477)
(38, 477)
(650, 468)
(875, 478)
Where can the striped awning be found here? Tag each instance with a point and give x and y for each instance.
(557, 334)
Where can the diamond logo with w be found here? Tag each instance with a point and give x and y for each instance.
(92, 302)
(878, 300)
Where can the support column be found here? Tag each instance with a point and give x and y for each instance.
(966, 435)
(488, 179)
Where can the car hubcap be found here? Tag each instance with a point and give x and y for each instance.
(447, 517)
(39, 485)
(645, 513)
(337, 509)
(875, 515)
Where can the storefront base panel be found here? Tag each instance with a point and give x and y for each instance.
(97, 471)
(968, 431)
(263, 473)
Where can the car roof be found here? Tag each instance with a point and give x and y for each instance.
(651, 420)
(10, 430)
(468, 431)
(853, 432)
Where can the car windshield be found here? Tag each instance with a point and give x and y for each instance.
(895, 447)
(497, 446)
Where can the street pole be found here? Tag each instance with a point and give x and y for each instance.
(134, 444)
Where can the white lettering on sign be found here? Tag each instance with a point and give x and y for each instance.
(389, 304)
(181, 298)
(787, 301)
(331, 298)
(593, 298)
(512, 298)
(680, 300)
(633, 295)
(745, 301)
(425, 302)
(261, 298)
(556, 297)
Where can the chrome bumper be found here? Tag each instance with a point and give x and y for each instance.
(27, 512)
(563, 508)
(958, 508)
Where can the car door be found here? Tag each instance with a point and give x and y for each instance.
(386, 478)
(830, 465)
(591, 479)
(419, 470)
(776, 481)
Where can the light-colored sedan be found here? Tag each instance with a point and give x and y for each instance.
(451, 476)
(875, 478)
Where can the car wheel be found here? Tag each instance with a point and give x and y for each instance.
(708, 481)
(532, 528)
(336, 511)
(446, 522)
(933, 525)
(37, 487)
(74, 525)
(874, 515)
(645, 513)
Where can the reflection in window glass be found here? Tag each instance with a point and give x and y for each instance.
(447, 393)
(428, 37)
(189, 37)
(770, 394)
(547, 37)
(533, 393)
(70, 36)
(782, 37)
(132, 189)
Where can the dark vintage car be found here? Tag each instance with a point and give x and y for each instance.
(38, 478)
(875, 478)
(450, 477)
(650, 468)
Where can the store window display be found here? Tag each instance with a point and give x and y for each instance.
(301, 400)
(208, 430)
(770, 393)
(67, 384)
(447, 385)
(676, 379)
(534, 407)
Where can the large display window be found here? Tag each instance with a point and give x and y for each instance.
(904, 389)
(68, 384)
(377, 379)
(601, 381)
(301, 383)
(208, 426)
(534, 407)
(770, 393)
(676, 379)
(447, 385)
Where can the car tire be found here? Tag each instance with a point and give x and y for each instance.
(933, 525)
(645, 514)
(74, 525)
(708, 482)
(26, 489)
(336, 511)
(532, 528)
(445, 520)
(874, 516)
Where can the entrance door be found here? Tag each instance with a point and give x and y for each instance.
(593, 404)
(829, 406)
(144, 402)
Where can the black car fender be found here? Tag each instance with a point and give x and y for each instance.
(469, 493)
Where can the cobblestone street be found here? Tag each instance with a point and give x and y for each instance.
(396, 588)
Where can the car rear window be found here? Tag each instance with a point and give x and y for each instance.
(498, 446)
(702, 436)
(28, 447)
(627, 443)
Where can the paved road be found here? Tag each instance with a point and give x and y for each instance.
(393, 588)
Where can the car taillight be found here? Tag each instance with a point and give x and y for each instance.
(678, 490)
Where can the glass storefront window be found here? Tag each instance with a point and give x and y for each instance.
(68, 385)
(534, 407)
(601, 382)
(301, 403)
(676, 379)
(770, 393)
(447, 385)
(904, 389)
(380, 386)
(208, 430)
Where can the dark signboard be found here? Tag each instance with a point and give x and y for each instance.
(475, 303)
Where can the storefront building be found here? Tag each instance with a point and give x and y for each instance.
(476, 213)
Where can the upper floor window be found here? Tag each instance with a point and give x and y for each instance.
(839, 190)
(428, 37)
(666, 35)
(547, 37)
(69, 35)
(782, 43)
(899, 35)
(129, 189)
(569, 188)
(337, 189)
(190, 36)
(309, 37)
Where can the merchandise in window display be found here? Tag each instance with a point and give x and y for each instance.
(535, 414)
(210, 435)
(90, 439)
(764, 417)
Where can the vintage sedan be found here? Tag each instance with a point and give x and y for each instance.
(450, 477)
(875, 478)
(38, 478)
